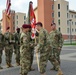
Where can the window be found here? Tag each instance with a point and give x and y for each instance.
(72, 16)
(52, 21)
(67, 22)
(58, 6)
(59, 29)
(17, 16)
(58, 14)
(59, 22)
(75, 30)
(68, 30)
(67, 7)
(52, 7)
(13, 23)
(75, 16)
(52, 15)
(13, 17)
(72, 30)
(67, 15)
(72, 23)
(24, 22)
(17, 22)
(0, 24)
(24, 17)
(75, 23)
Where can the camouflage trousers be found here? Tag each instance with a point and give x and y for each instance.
(44, 54)
(32, 56)
(53, 60)
(56, 53)
(8, 54)
(25, 58)
(17, 54)
(1, 52)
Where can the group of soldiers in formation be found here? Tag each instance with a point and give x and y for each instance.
(47, 44)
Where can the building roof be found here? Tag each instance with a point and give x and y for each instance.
(72, 11)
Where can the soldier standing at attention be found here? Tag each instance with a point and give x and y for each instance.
(1, 47)
(25, 55)
(42, 47)
(8, 37)
(17, 46)
(56, 42)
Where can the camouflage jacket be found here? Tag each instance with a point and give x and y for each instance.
(8, 38)
(43, 40)
(24, 40)
(17, 38)
(1, 40)
(56, 39)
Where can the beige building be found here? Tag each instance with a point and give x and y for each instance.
(64, 18)
(1, 25)
(16, 20)
(20, 18)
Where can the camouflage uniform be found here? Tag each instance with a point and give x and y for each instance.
(31, 48)
(1, 47)
(8, 47)
(25, 55)
(17, 47)
(42, 47)
(56, 41)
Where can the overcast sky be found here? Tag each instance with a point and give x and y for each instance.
(22, 5)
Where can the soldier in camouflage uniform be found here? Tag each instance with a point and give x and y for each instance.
(1, 47)
(17, 46)
(32, 42)
(25, 55)
(56, 42)
(42, 47)
(8, 38)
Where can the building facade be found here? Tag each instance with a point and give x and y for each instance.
(57, 11)
(16, 20)
(20, 18)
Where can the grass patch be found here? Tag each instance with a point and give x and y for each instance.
(69, 44)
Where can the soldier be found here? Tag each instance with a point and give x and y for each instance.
(56, 42)
(32, 42)
(8, 36)
(25, 55)
(17, 46)
(42, 47)
(1, 48)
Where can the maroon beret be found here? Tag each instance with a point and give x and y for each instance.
(25, 26)
(18, 29)
(38, 23)
(7, 28)
(29, 26)
(53, 24)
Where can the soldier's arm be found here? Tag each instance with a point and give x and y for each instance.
(41, 41)
(61, 40)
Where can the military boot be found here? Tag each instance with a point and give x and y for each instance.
(32, 69)
(10, 65)
(1, 67)
(60, 72)
(7, 65)
(43, 74)
(18, 64)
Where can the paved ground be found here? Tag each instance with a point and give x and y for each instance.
(68, 64)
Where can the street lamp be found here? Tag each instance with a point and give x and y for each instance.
(70, 32)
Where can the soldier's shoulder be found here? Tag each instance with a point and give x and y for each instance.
(23, 34)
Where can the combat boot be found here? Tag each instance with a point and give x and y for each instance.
(10, 65)
(1, 67)
(7, 65)
(32, 69)
(60, 72)
(18, 64)
(43, 74)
